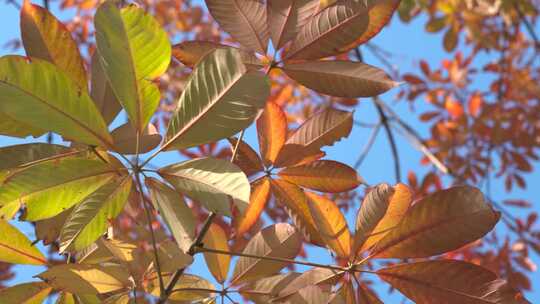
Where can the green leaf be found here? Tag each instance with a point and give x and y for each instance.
(134, 50)
(177, 215)
(44, 37)
(50, 187)
(90, 219)
(11, 127)
(221, 99)
(211, 182)
(40, 95)
(15, 247)
(26, 293)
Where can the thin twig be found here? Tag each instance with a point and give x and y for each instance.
(391, 139)
(368, 146)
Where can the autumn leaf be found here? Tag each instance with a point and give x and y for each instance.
(16, 248)
(26, 293)
(218, 264)
(271, 132)
(260, 194)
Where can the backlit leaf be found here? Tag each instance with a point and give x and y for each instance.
(271, 132)
(221, 99)
(263, 290)
(191, 52)
(323, 175)
(183, 289)
(48, 230)
(102, 93)
(15, 247)
(66, 298)
(331, 224)
(244, 20)
(35, 92)
(260, 194)
(172, 208)
(280, 240)
(441, 222)
(26, 293)
(322, 129)
(90, 219)
(211, 182)
(367, 296)
(422, 282)
(246, 158)
(86, 279)
(286, 18)
(218, 264)
(340, 78)
(45, 37)
(382, 210)
(50, 187)
(314, 276)
(133, 50)
(311, 294)
(11, 127)
(125, 139)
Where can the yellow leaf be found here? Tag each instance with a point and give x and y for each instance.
(16, 248)
(26, 293)
(218, 264)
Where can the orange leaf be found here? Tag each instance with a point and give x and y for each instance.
(367, 296)
(475, 104)
(260, 193)
(295, 202)
(218, 264)
(246, 158)
(382, 209)
(331, 224)
(322, 129)
(323, 175)
(272, 132)
(454, 108)
(440, 222)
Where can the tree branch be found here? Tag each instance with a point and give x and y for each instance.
(391, 139)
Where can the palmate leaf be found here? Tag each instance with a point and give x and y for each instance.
(280, 240)
(102, 93)
(37, 92)
(244, 20)
(314, 276)
(260, 194)
(311, 294)
(218, 264)
(461, 282)
(11, 127)
(340, 78)
(263, 290)
(271, 132)
(87, 279)
(246, 158)
(90, 219)
(441, 222)
(134, 50)
(190, 53)
(177, 215)
(211, 182)
(48, 230)
(44, 37)
(126, 138)
(16, 248)
(221, 98)
(182, 287)
(286, 18)
(26, 293)
(323, 175)
(50, 187)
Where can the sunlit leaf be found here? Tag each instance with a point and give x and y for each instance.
(441, 222)
(36, 92)
(191, 52)
(134, 50)
(323, 175)
(263, 290)
(444, 282)
(246, 158)
(367, 296)
(311, 294)
(296, 203)
(286, 18)
(314, 276)
(322, 129)
(340, 78)
(244, 20)
(218, 264)
(90, 219)
(16, 248)
(382, 209)
(279, 240)
(11, 127)
(331, 224)
(221, 98)
(271, 131)
(125, 139)
(183, 290)
(86, 279)
(44, 37)
(50, 187)
(26, 293)
(174, 211)
(66, 298)
(346, 294)
(260, 194)
(102, 93)
(122, 298)
(211, 182)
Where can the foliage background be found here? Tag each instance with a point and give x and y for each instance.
(408, 42)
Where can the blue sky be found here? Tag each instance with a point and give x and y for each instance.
(408, 42)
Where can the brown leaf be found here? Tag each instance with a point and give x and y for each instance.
(263, 290)
(323, 175)
(244, 20)
(280, 240)
(260, 194)
(367, 296)
(286, 18)
(102, 93)
(314, 276)
(440, 222)
(271, 131)
(191, 52)
(322, 129)
(311, 294)
(340, 78)
(246, 158)
(125, 139)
